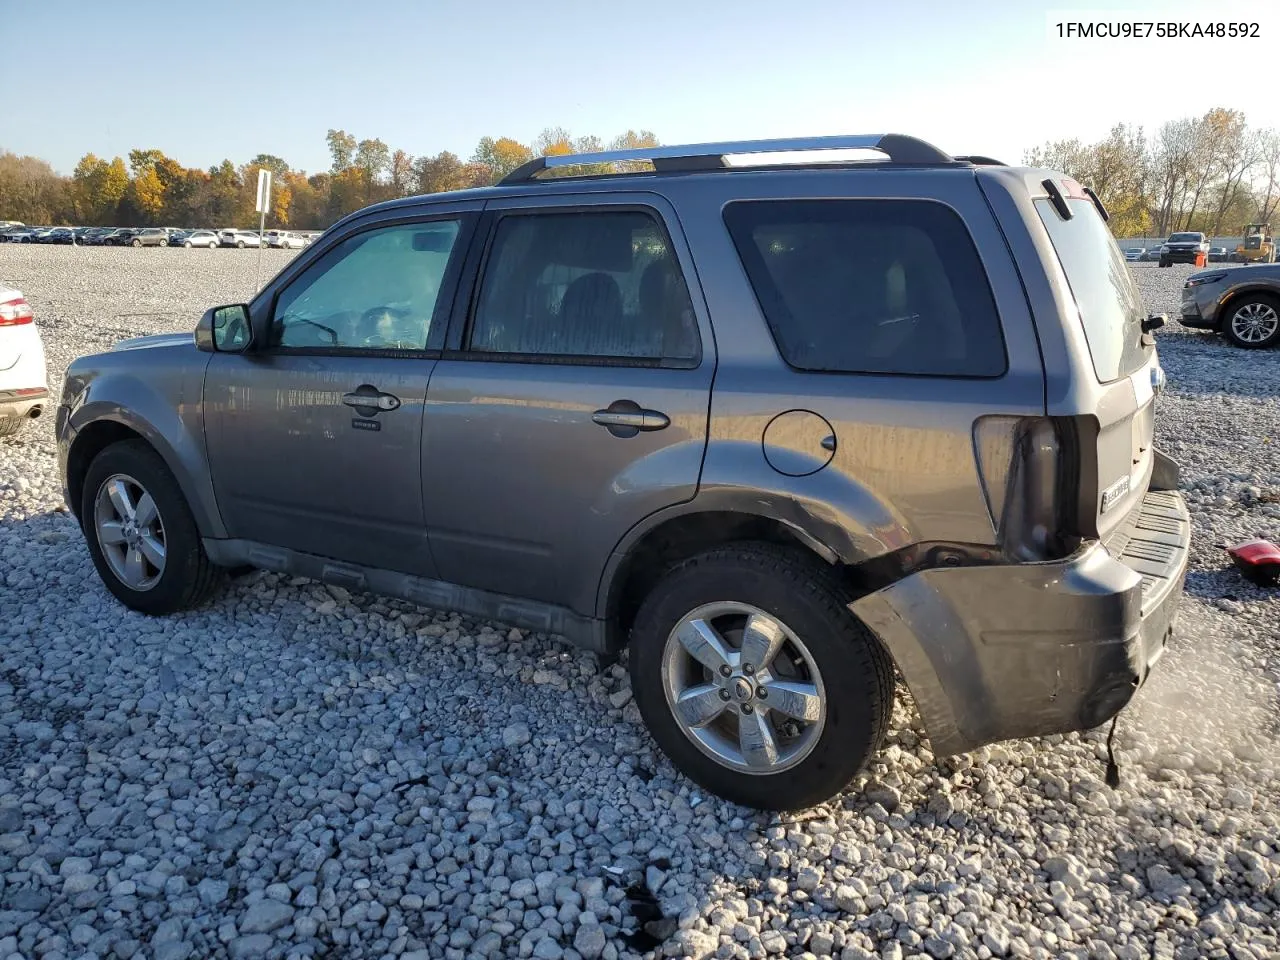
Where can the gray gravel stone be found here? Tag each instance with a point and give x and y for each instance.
(240, 762)
(265, 916)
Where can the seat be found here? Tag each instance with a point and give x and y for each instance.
(663, 322)
(591, 318)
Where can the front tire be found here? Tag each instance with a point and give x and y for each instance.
(1164, 263)
(756, 680)
(1253, 322)
(187, 244)
(141, 533)
(240, 244)
(137, 243)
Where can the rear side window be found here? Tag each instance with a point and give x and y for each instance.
(870, 286)
(1109, 303)
(600, 285)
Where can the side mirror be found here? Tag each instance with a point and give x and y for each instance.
(224, 330)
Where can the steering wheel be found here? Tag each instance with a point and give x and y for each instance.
(392, 339)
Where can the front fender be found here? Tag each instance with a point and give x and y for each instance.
(163, 407)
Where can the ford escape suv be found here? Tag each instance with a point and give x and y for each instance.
(778, 425)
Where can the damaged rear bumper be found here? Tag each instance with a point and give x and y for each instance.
(1000, 652)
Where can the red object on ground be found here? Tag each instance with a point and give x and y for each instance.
(1258, 560)
(1202, 259)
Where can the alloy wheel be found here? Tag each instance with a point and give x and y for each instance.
(744, 688)
(1255, 322)
(130, 532)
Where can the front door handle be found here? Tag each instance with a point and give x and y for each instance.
(368, 398)
(626, 418)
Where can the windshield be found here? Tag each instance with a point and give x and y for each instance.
(1185, 238)
(1110, 306)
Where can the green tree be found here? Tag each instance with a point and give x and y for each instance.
(372, 159)
(342, 147)
(140, 160)
(269, 161)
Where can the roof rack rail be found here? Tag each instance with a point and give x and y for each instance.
(711, 156)
(980, 161)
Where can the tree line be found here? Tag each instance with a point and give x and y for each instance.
(152, 189)
(1213, 174)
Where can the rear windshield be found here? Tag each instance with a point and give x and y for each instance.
(1110, 306)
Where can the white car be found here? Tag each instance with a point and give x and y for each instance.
(285, 240)
(200, 238)
(24, 391)
(239, 238)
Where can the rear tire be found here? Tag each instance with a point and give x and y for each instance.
(10, 426)
(1253, 322)
(187, 577)
(795, 597)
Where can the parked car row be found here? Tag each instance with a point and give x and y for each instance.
(154, 237)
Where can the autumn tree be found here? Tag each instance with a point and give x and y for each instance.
(445, 172)
(401, 177)
(500, 156)
(1267, 195)
(146, 195)
(31, 191)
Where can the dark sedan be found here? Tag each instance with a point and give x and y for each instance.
(1242, 303)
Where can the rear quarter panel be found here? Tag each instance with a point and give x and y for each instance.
(904, 469)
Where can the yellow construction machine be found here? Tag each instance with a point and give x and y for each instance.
(1258, 246)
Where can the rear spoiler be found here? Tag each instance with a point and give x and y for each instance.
(1074, 191)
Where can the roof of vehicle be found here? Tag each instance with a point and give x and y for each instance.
(896, 150)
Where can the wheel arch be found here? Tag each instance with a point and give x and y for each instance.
(664, 539)
(98, 430)
(1228, 303)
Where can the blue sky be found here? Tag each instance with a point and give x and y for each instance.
(230, 79)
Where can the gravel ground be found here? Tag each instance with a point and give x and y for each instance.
(294, 771)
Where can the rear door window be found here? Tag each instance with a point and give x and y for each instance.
(870, 286)
(599, 285)
(1108, 300)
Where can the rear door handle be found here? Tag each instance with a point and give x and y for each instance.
(626, 418)
(640, 420)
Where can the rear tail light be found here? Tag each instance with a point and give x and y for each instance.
(15, 312)
(1258, 560)
(1032, 471)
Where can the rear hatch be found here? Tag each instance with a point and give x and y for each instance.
(1123, 358)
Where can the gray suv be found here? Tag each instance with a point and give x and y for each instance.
(779, 427)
